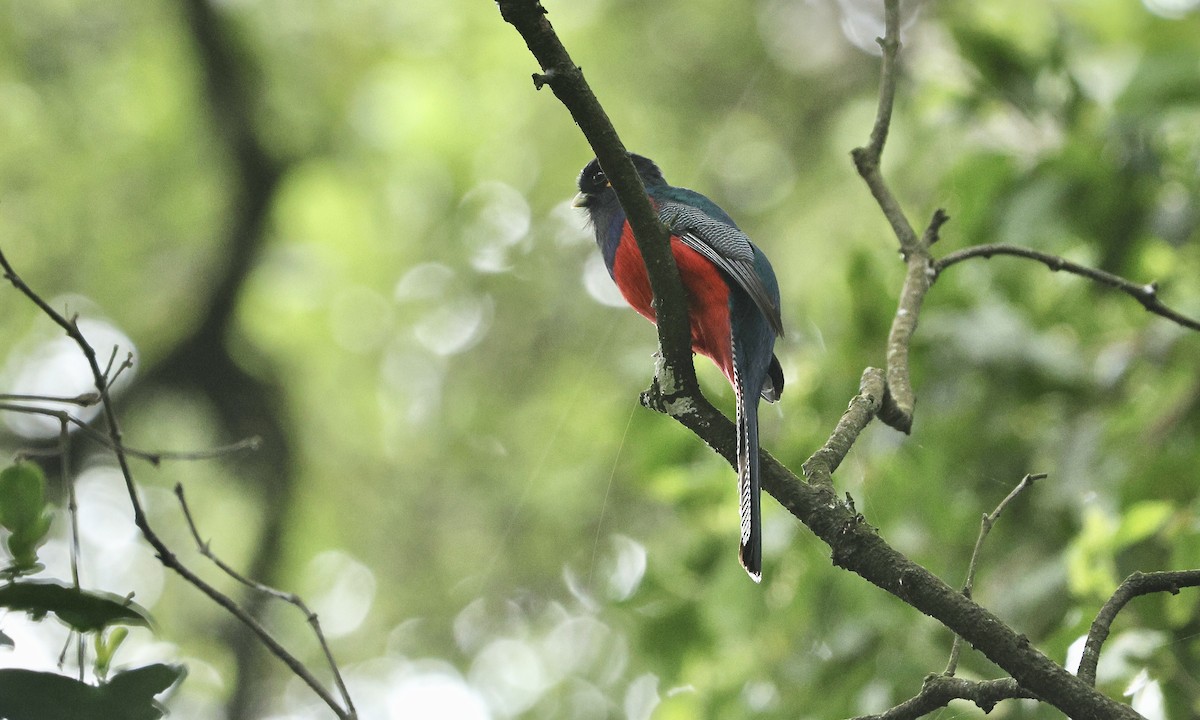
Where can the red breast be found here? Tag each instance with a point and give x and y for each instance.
(707, 291)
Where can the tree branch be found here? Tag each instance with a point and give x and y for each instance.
(1137, 584)
(939, 690)
(867, 158)
(855, 545)
(245, 403)
(985, 527)
(165, 555)
(154, 458)
(899, 401)
(677, 375)
(863, 406)
(1146, 295)
(205, 549)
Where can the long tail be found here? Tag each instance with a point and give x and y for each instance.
(749, 505)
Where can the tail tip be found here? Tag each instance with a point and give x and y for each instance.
(752, 562)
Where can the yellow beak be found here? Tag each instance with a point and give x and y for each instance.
(581, 200)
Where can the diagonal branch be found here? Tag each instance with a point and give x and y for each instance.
(677, 375)
(1147, 295)
(985, 527)
(205, 549)
(1139, 583)
(867, 158)
(855, 545)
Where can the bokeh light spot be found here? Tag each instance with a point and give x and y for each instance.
(342, 591)
(56, 367)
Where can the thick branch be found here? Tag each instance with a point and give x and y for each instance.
(939, 690)
(245, 403)
(231, 95)
(1147, 295)
(864, 406)
(1138, 583)
(565, 78)
(857, 547)
(899, 401)
(854, 544)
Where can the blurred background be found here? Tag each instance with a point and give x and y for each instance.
(345, 227)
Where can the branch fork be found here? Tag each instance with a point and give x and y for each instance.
(886, 394)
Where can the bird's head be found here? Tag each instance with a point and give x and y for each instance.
(595, 189)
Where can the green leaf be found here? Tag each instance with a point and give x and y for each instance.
(1091, 568)
(146, 682)
(1141, 521)
(23, 514)
(83, 610)
(32, 695)
(22, 496)
(107, 644)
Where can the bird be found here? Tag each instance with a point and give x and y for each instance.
(733, 306)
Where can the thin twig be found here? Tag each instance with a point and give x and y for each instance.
(205, 549)
(153, 457)
(939, 690)
(157, 456)
(126, 364)
(165, 554)
(64, 469)
(112, 357)
(1146, 295)
(84, 400)
(985, 527)
(1139, 583)
(867, 158)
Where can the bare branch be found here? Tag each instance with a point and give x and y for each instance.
(867, 158)
(939, 690)
(204, 548)
(856, 546)
(84, 400)
(1139, 583)
(165, 555)
(899, 401)
(985, 527)
(1146, 295)
(863, 407)
(153, 457)
(157, 456)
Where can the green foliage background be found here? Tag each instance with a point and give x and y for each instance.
(463, 411)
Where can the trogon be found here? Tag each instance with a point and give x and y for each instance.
(733, 305)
